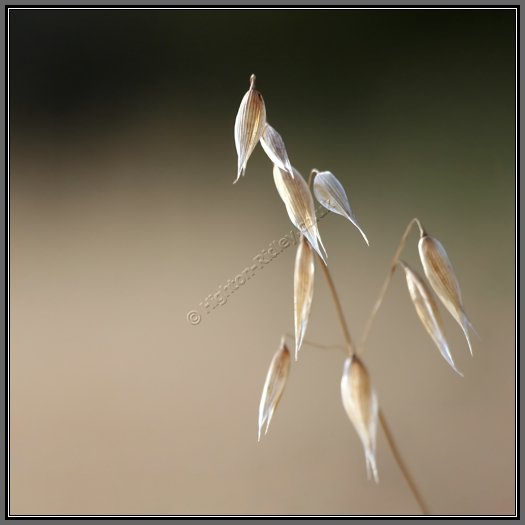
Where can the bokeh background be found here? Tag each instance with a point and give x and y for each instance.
(124, 218)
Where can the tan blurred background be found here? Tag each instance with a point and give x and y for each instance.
(124, 218)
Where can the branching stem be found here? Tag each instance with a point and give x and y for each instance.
(351, 351)
(393, 266)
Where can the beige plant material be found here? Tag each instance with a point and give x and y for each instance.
(441, 276)
(428, 312)
(299, 203)
(274, 386)
(361, 406)
(274, 147)
(303, 290)
(331, 194)
(249, 126)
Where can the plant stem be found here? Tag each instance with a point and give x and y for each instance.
(348, 339)
(311, 176)
(391, 271)
(404, 469)
(317, 345)
(351, 351)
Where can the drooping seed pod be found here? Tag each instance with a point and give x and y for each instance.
(331, 194)
(274, 147)
(428, 312)
(303, 290)
(299, 203)
(274, 386)
(441, 276)
(361, 406)
(249, 126)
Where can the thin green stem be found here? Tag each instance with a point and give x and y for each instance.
(393, 266)
(340, 314)
(401, 464)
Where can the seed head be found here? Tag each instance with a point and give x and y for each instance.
(331, 194)
(441, 276)
(360, 403)
(428, 312)
(249, 126)
(303, 290)
(299, 204)
(274, 147)
(274, 386)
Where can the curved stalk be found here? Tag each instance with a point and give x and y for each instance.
(340, 314)
(393, 266)
(313, 173)
(404, 469)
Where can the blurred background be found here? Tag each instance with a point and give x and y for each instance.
(124, 218)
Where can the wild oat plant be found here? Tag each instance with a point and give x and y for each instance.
(359, 398)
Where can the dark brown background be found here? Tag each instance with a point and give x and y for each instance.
(124, 217)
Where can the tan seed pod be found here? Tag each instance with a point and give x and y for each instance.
(428, 312)
(361, 406)
(274, 386)
(299, 204)
(331, 194)
(274, 147)
(441, 276)
(249, 126)
(303, 290)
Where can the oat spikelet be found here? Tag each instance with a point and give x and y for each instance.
(274, 386)
(274, 147)
(299, 204)
(331, 194)
(360, 403)
(303, 290)
(428, 312)
(440, 274)
(249, 126)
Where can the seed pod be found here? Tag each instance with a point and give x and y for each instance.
(331, 194)
(274, 386)
(299, 204)
(442, 278)
(360, 403)
(274, 147)
(303, 290)
(428, 312)
(249, 126)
